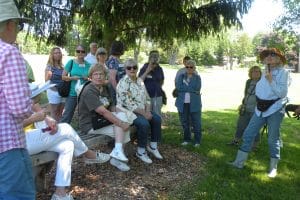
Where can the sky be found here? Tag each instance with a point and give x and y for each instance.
(261, 16)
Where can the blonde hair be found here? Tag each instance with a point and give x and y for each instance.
(51, 60)
(252, 69)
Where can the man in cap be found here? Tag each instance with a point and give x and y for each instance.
(16, 180)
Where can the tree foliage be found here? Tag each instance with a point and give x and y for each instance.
(107, 20)
(289, 21)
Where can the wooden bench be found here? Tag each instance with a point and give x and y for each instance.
(43, 162)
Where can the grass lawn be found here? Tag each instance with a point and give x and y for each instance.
(218, 180)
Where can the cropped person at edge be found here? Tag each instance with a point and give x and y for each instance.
(16, 179)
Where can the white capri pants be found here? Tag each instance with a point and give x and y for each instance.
(65, 142)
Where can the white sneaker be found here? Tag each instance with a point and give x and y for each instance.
(184, 143)
(118, 155)
(144, 157)
(155, 152)
(273, 173)
(119, 164)
(100, 158)
(196, 145)
(57, 197)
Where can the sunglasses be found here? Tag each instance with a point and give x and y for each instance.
(80, 51)
(272, 54)
(189, 67)
(131, 67)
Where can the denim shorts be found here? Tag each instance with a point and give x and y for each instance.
(16, 180)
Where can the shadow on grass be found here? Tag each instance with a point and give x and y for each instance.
(219, 180)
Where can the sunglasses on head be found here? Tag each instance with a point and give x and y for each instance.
(131, 67)
(80, 51)
(189, 67)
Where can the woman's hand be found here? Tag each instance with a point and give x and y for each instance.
(148, 115)
(52, 124)
(39, 116)
(125, 126)
(74, 78)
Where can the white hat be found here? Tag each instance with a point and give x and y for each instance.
(9, 10)
(38, 89)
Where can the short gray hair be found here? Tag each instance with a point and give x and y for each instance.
(191, 63)
(130, 62)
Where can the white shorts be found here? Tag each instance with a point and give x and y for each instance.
(54, 97)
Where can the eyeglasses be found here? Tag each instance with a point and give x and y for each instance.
(189, 67)
(272, 54)
(131, 67)
(80, 51)
(20, 26)
(99, 74)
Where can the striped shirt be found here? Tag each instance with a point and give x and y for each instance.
(15, 103)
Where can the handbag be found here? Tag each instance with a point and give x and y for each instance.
(98, 121)
(175, 93)
(64, 87)
(164, 97)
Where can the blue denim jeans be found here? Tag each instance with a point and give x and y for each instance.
(144, 127)
(70, 106)
(16, 179)
(188, 118)
(256, 123)
(242, 124)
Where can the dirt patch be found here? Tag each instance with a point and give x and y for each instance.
(141, 182)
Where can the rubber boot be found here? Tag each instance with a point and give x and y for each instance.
(273, 168)
(240, 159)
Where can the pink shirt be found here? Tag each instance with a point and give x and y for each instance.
(15, 103)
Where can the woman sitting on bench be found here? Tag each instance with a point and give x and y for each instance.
(44, 134)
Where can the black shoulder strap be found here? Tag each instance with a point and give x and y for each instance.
(71, 66)
(85, 84)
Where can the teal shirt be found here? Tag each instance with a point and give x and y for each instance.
(77, 70)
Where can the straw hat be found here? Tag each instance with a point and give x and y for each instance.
(9, 10)
(263, 54)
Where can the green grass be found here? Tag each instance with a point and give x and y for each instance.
(218, 180)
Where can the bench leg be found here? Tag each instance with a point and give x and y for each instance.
(39, 173)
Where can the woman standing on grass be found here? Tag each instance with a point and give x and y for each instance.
(189, 103)
(271, 92)
(247, 108)
(53, 73)
(78, 69)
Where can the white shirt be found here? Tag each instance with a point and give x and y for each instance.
(90, 58)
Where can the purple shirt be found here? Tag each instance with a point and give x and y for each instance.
(15, 103)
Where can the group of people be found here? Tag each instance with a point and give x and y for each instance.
(114, 96)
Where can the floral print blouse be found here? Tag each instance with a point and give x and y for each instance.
(132, 95)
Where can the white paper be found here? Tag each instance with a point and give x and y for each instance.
(37, 89)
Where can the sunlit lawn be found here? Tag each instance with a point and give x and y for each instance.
(217, 180)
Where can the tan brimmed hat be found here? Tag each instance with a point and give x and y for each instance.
(264, 53)
(9, 10)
